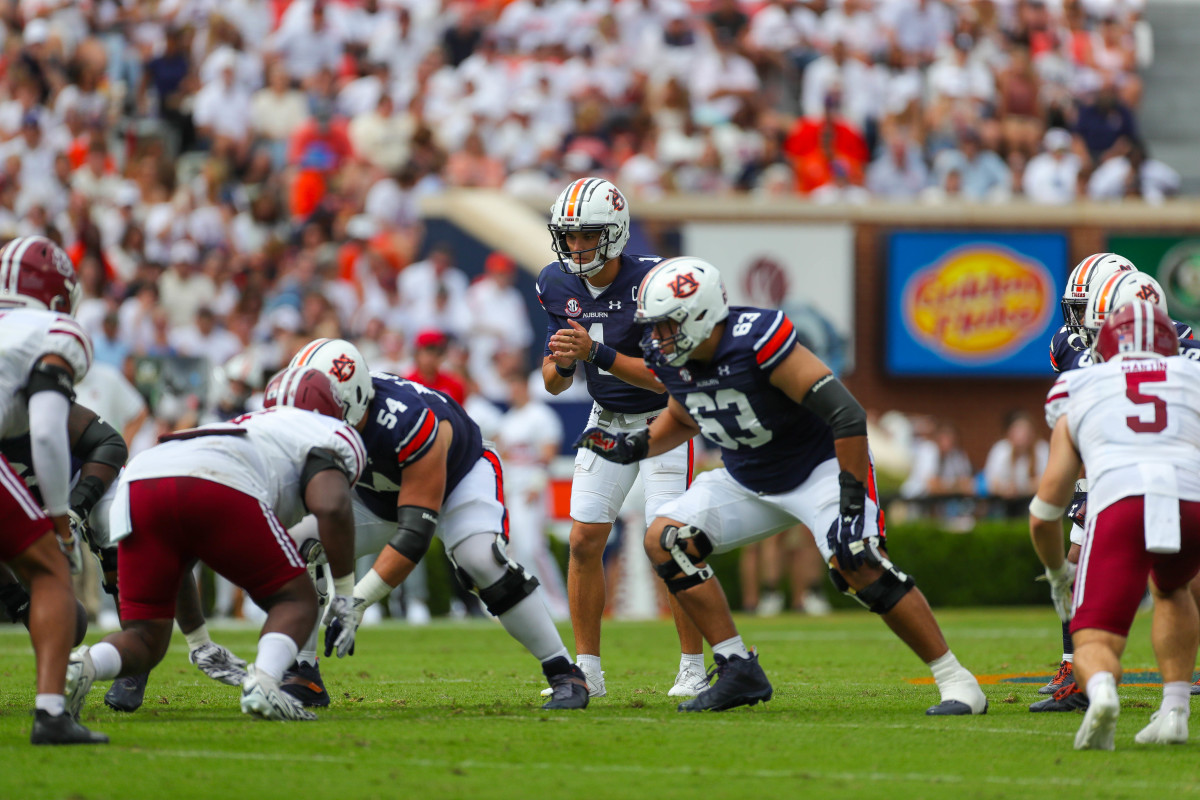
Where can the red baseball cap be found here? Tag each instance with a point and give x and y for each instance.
(499, 262)
(431, 338)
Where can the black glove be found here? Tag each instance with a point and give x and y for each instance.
(1077, 511)
(846, 534)
(623, 448)
(16, 603)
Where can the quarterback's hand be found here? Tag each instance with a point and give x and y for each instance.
(847, 537)
(1062, 588)
(345, 614)
(71, 543)
(623, 448)
(573, 342)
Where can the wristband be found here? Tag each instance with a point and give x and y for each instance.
(566, 373)
(1047, 512)
(344, 585)
(197, 638)
(602, 356)
(371, 588)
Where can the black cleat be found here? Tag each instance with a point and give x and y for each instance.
(740, 682)
(1068, 698)
(63, 729)
(303, 682)
(1065, 675)
(126, 694)
(568, 687)
(952, 708)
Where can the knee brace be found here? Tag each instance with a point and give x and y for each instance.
(674, 541)
(512, 587)
(881, 596)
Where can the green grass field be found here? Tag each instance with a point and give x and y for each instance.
(451, 711)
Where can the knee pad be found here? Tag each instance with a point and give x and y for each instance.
(881, 596)
(513, 586)
(683, 570)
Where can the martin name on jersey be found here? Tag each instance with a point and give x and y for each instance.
(26, 335)
(402, 425)
(1068, 350)
(608, 319)
(769, 443)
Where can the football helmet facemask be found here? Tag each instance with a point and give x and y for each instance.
(1087, 275)
(1138, 329)
(36, 273)
(1117, 290)
(345, 366)
(305, 388)
(687, 291)
(589, 205)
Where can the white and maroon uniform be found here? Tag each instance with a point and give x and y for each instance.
(1136, 424)
(27, 335)
(225, 497)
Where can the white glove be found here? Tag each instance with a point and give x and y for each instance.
(345, 615)
(1062, 582)
(219, 664)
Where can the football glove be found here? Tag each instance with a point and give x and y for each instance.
(847, 538)
(623, 448)
(345, 614)
(1062, 587)
(1077, 511)
(219, 664)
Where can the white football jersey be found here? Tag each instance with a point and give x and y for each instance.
(1136, 424)
(266, 462)
(27, 334)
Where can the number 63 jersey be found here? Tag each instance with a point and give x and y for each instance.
(769, 442)
(1136, 425)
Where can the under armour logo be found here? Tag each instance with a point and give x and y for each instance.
(723, 369)
(342, 368)
(614, 305)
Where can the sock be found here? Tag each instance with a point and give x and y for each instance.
(107, 661)
(529, 623)
(1068, 646)
(308, 653)
(1176, 694)
(276, 651)
(52, 704)
(589, 664)
(731, 647)
(198, 638)
(1095, 682)
(955, 682)
(691, 660)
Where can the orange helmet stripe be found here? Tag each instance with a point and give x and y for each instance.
(308, 351)
(575, 190)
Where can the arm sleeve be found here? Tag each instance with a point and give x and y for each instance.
(51, 449)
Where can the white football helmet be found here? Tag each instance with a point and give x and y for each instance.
(688, 291)
(1089, 274)
(589, 204)
(1116, 291)
(346, 367)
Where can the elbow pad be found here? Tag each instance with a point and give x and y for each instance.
(46, 377)
(830, 400)
(101, 443)
(415, 527)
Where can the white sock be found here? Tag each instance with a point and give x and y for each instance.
(1094, 682)
(529, 623)
(198, 638)
(1069, 658)
(276, 652)
(1176, 694)
(955, 682)
(308, 653)
(589, 664)
(691, 660)
(107, 660)
(53, 704)
(731, 647)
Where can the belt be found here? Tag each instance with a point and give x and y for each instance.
(607, 418)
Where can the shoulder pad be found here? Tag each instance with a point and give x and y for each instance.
(1056, 401)
(66, 338)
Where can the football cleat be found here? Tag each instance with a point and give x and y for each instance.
(1196, 687)
(219, 664)
(303, 682)
(740, 682)
(690, 682)
(1065, 675)
(569, 689)
(595, 684)
(262, 697)
(126, 694)
(61, 729)
(1100, 722)
(1166, 727)
(953, 708)
(1068, 698)
(81, 674)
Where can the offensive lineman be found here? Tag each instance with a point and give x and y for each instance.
(429, 472)
(590, 295)
(1132, 419)
(223, 494)
(43, 353)
(795, 450)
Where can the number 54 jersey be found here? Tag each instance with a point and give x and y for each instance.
(769, 442)
(1136, 424)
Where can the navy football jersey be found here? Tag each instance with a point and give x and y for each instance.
(402, 425)
(769, 442)
(1068, 352)
(19, 453)
(608, 318)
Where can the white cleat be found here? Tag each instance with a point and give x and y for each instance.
(1166, 727)
(262, 697)
(1100, 722)
(81, 674)
(690, 682)
(595, 683)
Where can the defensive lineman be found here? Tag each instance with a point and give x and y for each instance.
(590, 296)
(795, 450)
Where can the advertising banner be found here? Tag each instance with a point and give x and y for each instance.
(1174, 261)
(806, 270)
(973, 304)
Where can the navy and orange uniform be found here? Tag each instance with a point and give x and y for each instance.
(1068, 351)
(608, 318)
(769, 442)
(402, 425)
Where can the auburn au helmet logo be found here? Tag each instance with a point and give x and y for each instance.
(1147, 293)
(343, 368)
(684, 285)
